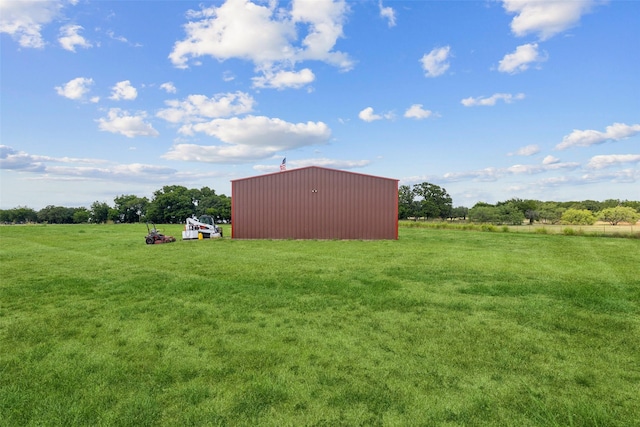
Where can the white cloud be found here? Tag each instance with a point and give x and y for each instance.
(549, 160)
(119, 121)
(520, 60)
(12, 159)
(541, 168)
(248, 139)
(417, 112)
(197, 108)
(70, 38)
(528, 150)
(168, 87)
(75, 89)
(123, 90)
(435, 62)
(492, 100)
(324, 162)
(284, 79)
(368, 115)
(485, 175)
(388, 13)
(23, 20)
(586, 138)
(608, 160)
(545, 18)
(266, 35)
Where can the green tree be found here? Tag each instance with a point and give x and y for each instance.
(81, 216)
(460, 212)
(406, 203)
(483, 213)
(510, 213)
(631, 204)
(550, 212)
(56, 215)
(99, 212)
(578, 217)
(172, 204)
(619, 214)
(130, 208)
(20, 214)
(433, 201)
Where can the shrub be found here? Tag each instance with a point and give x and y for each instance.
(578, 217)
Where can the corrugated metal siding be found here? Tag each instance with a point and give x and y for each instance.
(315, 203)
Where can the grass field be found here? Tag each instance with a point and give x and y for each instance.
(441, 327)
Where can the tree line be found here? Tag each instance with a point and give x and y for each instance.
(426, 201)
(170, 205)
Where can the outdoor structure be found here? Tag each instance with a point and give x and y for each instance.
(314, 203)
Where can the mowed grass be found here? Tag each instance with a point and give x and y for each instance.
(440, 327)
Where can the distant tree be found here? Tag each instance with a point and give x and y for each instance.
(590, 205)
(631, 204)
(483, 213)
(81, 216)
(406, 203)
(578, 217)
(550, 212)
(20, 214)
(130, 208)
(509, 213)
(172, 204)
(210, 203)
(459, 212)
(529, 208)
(433, 201)
(619, 214)
(99, 212)
(610, 203)
(56, 215)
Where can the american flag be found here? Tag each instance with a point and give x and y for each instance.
(283, 165)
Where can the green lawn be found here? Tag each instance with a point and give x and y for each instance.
(441, 327)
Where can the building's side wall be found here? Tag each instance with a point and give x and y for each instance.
(315, 203)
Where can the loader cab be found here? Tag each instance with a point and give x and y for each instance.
(206, 219)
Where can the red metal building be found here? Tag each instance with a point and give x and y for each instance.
(314, 203)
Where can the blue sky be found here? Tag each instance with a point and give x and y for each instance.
(489, 99)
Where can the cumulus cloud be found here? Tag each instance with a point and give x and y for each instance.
(69, 168)
(417, 112)
(284, 79)
(267, 36)
(545, 18)
(198, 108)
(492, 100)
(435, 63)
(528, 150)
(521, 59)
(485, 175)
(388, 13)
(540, 168)
(168, 87)
(123, 91)
(549, 160)
(368, 115)
(248, 139)
(120, 121)
(19, 160)
(586, 138)
(23, 20)
(324, 162)
(608, 160)
(70, 38)
(76, 89)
